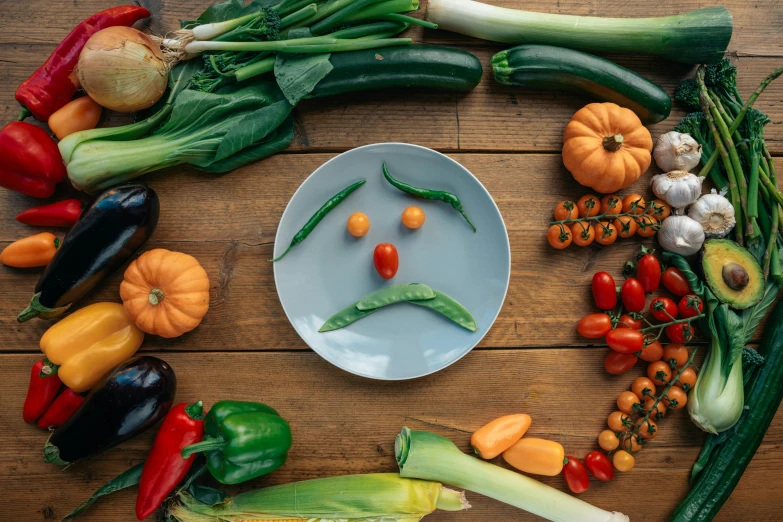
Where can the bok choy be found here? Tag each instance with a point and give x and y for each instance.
(699, 36)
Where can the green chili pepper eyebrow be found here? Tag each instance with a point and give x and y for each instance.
(432, 195)
(318, 216)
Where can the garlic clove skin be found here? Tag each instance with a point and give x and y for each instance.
(714, 213)
(681, 235)
(677, 151)
(678, 188)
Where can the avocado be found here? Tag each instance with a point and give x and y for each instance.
(732, 273)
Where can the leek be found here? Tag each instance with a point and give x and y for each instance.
(428, 456)
(699, 36)
(367, 498)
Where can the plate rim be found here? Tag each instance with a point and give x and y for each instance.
(494, 205)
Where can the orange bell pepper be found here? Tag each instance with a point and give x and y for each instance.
(496, 437)
(536, 456)
(31, 251)
(77, 115)
(90, 343)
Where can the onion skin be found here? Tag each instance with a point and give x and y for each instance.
(122, 69)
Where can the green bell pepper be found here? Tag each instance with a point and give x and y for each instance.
(242, 441)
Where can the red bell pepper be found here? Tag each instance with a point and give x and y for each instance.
(54, 83)
(61, 214)
(30, 161)
(165, 467)
(43, 388)
(61, 409)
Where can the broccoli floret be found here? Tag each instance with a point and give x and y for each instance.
(696, 125)
(751, 360)
(687, 93)
(722, 74)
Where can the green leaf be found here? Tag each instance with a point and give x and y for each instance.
(298, 74)
(276, 141)
(758, 247)
(206, 495)
(127, 479)
(253, 128)
(753, 316)
(220, 12)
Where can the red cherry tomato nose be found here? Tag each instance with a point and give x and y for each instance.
(386, 260)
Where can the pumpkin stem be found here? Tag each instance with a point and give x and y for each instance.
(156, 296)
(613, 143)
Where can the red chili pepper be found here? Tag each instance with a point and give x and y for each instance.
(61, 409)
(61, 214)
(575, 475)
(43, 388)
(165, 467)
(30, 161)
(54, 83)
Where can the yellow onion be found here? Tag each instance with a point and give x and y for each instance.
(122, 69)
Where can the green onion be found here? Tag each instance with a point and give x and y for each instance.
(428, 456)
(695, 37)
(298, 45)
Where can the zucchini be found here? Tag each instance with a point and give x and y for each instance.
(412, 66)
(727, 463)
(546, 67)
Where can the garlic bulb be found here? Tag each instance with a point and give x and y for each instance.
(681, 235)
(122, 69)
(714, 213)
(677, 151)
(678, 188)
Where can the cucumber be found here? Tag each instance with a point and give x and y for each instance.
(546, 67)
(411, 66)
(727, 463)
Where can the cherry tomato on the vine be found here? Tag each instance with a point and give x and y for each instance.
(680, 333)
(652, 352)
(566, 211)
(648, 272)
(676, 282)
(608, 440)
(588, 206)
(663, 309)
(632, 294)
(659, 372)
(583, 233)
(386, 259)
(625, 340)
(677, 353)
(660, 409)
(626, 226)
(559, 236)
(627, 321)
(659, 209)
(627, 401)
(647, 226)
(640, 384)
(599, 466)
(575, 475)
(594, 326)
(690, 306)
(611, 204)
(605, 233)
(687, 379)
(633, 204)
(618, 363)
(675, 398)
(604, 291)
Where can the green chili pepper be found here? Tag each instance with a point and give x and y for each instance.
(433, 195)
(318, 216)
(242, 441)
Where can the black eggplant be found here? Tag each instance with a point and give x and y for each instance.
(134, 397)
(107, 234)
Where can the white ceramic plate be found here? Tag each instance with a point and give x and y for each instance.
(331, 269)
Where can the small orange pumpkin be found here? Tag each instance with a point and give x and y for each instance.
(606, 147)
(165, 293)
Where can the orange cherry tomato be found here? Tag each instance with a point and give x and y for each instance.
(623, 461)
(605, 233)
(647, 226)
(677, 353)
(687, 379)
(358, 224)
(608, 440)
(660, 409)
(640, 384)
(659, 372)
(675, 398)
(413, 217)
(647, 429)
(631, 443)
(618, 421)
(611, 204)
(633, 204)
(588, 206)
(652, 352)
(566, 211)
(659, 209)
(559, 236)
(626, 226)
(626, 402)
(583, 233)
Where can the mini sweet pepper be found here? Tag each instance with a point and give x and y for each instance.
(30, 161)
(91, 342)
(242, 441)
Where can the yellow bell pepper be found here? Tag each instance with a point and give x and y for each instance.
(536, 456)
(91, 342)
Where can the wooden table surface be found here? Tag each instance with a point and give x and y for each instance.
(531, 361)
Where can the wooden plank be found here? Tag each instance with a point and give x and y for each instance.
(350, 428)
(491, 118)
(194, 219)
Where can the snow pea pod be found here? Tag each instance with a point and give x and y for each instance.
(349, 314)
(395, 294)
(450, 308)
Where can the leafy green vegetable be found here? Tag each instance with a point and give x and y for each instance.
(751, 317)
(228, 10)
(298, 74)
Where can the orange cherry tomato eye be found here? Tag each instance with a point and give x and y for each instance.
(583, 233)
(566, 211)
(659, 372)
(559, 236)
(640, 384)
(647, 226)
(605, 233)
(358, 224)
(413, 217)
(588, 206)
(611, 204)
(626, 226)
(628, 402)
(633, 204)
